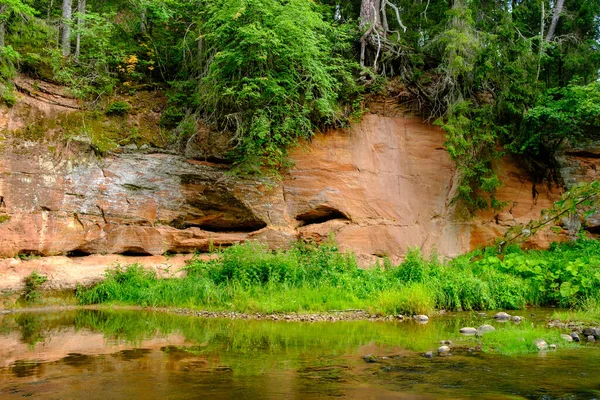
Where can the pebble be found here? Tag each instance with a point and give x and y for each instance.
(517, 318)
(485, 328)
(552, 347)
(429, 354)
(444, 350)
(445, 342)
(468, 331)
(568, 338)
(591, 338)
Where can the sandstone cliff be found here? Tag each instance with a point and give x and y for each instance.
(380, 186)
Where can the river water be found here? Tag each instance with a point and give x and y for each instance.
(93, 354)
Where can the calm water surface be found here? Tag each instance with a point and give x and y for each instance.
(89, 354)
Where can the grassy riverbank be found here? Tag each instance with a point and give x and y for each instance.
(306, 278)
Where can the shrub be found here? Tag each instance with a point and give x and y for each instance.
(33, 282)
(119, 108)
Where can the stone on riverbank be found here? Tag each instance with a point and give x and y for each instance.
(485, 328)
(502, 316)
(567, 338)
(541, 344)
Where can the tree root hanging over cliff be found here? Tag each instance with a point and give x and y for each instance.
(377, 36)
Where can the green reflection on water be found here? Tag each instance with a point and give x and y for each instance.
(244, 357)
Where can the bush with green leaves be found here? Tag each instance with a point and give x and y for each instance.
(275, 74)
(308, 278)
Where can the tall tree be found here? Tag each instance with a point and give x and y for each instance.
(65, 41)
(80, 22)
(558, 7)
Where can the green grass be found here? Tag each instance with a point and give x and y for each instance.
(307, 278)
(520, 339)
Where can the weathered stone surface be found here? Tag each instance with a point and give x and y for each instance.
(68, 272)
(379, 187)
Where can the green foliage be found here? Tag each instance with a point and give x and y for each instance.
(118, 108)
(569, 113)
(305, 278)
(275, 75)
(580, 201)
(33, 282)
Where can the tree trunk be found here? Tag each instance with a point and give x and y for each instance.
(369, 22)
(555, 17)
(80, 22)
(67, 13)
(369, 10)
(3, 9)
(143, 22)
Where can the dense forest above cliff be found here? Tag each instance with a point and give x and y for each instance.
(497, 76)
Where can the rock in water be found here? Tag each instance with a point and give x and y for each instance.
(568, 338)
(370, 358)
(517, 318)
(541, 344)
(575, 337)
(552, 347)
(595, 332)
(485, 328)
(591, 338)
(502, 316)
(468, 331)
(421, 318)
(444, 350)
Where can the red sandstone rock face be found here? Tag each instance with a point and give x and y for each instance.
(379, 187)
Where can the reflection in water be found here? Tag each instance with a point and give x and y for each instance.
(122, 354)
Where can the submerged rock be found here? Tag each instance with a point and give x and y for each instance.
(502, 316)
(370, 358)
(485, 328)
(541, 344)
(468, 331)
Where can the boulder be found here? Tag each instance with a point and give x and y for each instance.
(567, 338)
(468, 331)
(575, 337)
(421, 318)
(502, 316)
(485, 328)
